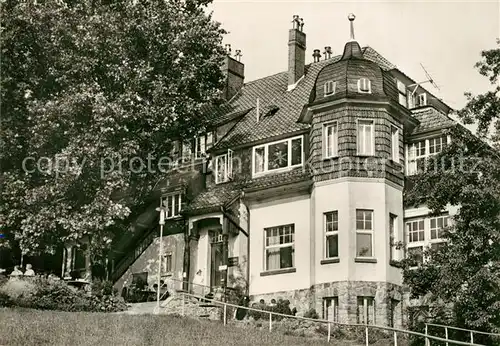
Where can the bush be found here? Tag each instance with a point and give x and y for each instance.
(311, 313)
(46, 294)
(5, 300)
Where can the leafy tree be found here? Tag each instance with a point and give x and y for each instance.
(461, 279)
(86, 85)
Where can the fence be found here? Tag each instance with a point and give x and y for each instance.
(468, 332)
(397, 334)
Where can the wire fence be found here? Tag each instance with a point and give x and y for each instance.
(272, 319)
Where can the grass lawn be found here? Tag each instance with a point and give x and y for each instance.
(31, 327)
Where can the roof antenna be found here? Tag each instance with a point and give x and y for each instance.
(428, 80)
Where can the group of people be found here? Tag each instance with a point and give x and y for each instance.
(18, 272)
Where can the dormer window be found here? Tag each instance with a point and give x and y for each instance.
(421, 100)
(364, 86)
(330, 87)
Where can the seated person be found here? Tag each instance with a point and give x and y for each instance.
(16, 272)
(29, 270)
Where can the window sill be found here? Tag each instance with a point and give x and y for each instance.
(276, 171)
(365, 155)
(365, 260)
(329, 158)
(278, 271)
(330, 260)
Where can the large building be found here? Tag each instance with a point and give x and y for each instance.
(297, 189)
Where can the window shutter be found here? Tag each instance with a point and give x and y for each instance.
(229, 164)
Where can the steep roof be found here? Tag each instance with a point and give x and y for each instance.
(430, 119)
(272, 91)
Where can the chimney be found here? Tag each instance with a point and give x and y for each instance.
(316, 55)
(328, 52)
(296, 51)
(234, 70)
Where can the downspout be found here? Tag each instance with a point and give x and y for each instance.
(225, 250)
(187, 257)
(248, 252)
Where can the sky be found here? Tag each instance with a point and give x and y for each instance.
(445, 37)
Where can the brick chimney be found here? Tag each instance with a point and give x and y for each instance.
(234, 71)
(296, 51)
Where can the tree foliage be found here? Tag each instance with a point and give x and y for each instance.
(86, 85)
(461, 279)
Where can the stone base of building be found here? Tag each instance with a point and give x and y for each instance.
(349, 297)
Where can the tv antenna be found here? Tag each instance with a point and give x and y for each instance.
(428, 80)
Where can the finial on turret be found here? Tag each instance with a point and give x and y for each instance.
(351, 18)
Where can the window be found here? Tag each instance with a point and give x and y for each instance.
(168, 263)
(330, 87)
(279, 247)
(364, 85)
(394, 312)
(395, 143)
(421, 100)
(366, 310)
(173, 205)
(437, 226)
(278, 155)
(364, 233)
(415, 230)
(201, 144)
(392, 236)
(418, 152)
(332, 234)
(402, 93)
(330, 142)
(410, 99)
(331, 309)
(416, 255)
(366, 139)
(224, 167)
(436, 145)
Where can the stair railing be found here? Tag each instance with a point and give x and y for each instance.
(468, 331)
(397, 333)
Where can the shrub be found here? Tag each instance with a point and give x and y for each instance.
(5, 300)
(46, 294)
(311, 313)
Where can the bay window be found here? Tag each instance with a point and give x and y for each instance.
(330, 140)
(366, 137)
(331, 309)
(278, 155)
(279, 247)
(332, 234)
(366, 310)
(364, 233)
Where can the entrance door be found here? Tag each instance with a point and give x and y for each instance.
(215, 259)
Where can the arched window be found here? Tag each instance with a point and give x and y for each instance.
(330, 87)
(364, 85)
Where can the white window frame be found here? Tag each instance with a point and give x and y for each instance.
(421, 100)
(228, 167)
(402, 93)
(393, 237)
(413, 155)
(332, 151)
(367, 87)
(366, 231)
(358, 139)
(418, 231)
(178, 204)
(365, 318)
(289, 155)
(437, 239)
(395, 143)
(291, 228)
(332, 302)
(329, 88)
(335, 232)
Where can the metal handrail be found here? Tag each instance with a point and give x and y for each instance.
(462, 329)
(329, 323)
